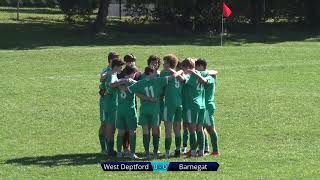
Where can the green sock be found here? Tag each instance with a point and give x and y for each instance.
(106, 144)
(206, 145)
(200, 138)
(119, 143)
(193, 141)
(185, 138)
(133, 139)
(177, 140)
(102, 140)
(167, 143)
(146, 142)
(155, 140)
(110, 146)
(214, 141)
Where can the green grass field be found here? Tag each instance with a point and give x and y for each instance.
(268, 96)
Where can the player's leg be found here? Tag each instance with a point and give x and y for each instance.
(200, 132)
(155, 122)
(167, 117)
(126, 142)
(192, 116)
(177, 131)
(206, 143)
(102, 128)
(121, 126)
(120, 142)
(185, 134)
(143, 121)
(213, 133)
(111, 131)
(185, 137)
(132, 124)
(146, 140)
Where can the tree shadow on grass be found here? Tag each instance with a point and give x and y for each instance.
(41, 34)
(69, 160)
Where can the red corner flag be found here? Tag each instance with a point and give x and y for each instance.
(226, 10)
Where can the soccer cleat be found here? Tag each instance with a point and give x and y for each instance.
(167, 155)
(112, 153)
(126, 153)
(177, 153)
(206, 153)
(147, 155)
(134, 156)
(119, 155)
(200, 153)
(191, 153)
(215, 154)
(184, 150)
(155, 155)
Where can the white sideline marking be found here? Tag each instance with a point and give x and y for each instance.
(69, 78)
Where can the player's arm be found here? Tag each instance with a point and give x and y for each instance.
(146, 98)
(213, 73)
(119, 83)
(104, 76)
(174, 74)
(125, 88)
(199, 77)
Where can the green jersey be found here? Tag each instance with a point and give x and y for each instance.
(111, 93)
(150, 88)
(143, 76)
(172, 92)
(126, 99)
(105, 70)
(193, 92)
(209, 90)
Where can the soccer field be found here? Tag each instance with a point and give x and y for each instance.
(268, 104)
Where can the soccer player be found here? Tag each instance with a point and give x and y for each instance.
(194, 106)
(102, 87)
(127, 114)
(149, 91)
(209, 88)
(172, 111)
(111, 102)
(130, 61)
(154, 62)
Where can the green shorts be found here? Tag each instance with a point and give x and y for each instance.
(127, 118)
(111, 116)
(172, 114)
(103, 113)
(149, 118)
(194, 116)
(209, 118)
(161, 109)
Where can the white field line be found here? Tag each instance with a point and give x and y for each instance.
(69, 78)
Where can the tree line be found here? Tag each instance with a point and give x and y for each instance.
(190, 14)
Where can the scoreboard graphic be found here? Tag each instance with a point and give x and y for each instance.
(160, 166)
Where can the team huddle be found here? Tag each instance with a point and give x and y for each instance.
(181, 95)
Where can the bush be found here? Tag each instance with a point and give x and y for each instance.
(78, 9)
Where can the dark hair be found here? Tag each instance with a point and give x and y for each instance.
(172, 60)
(179, 66)
(112, 55)
(148, 70)
(188, 63)
(129, 70)
(201, 62)
(117, 63)
(129, 58)
(154, 58)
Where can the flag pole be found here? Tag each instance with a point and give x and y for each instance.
(221, 36)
